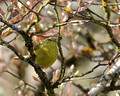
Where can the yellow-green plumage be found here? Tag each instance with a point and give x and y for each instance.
(46, 52)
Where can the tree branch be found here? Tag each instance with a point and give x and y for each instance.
(105, 80)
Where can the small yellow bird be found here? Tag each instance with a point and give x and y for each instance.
(46, 52)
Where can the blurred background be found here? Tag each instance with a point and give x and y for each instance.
(84, 46)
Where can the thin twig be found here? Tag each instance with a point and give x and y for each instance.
(83, 74)
(21, 79)
(27, 13)
(110, 4)
(27, 7)
(62, 71)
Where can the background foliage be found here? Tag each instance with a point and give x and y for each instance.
(87, 35)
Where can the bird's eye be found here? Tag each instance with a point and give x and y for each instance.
(49, 39)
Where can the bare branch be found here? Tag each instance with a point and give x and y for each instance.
(105, 80)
